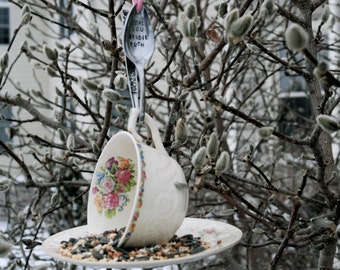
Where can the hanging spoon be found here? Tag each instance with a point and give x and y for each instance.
(139, 44)
(130, 68)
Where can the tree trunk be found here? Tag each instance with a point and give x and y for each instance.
(327, 256)
(322, 144)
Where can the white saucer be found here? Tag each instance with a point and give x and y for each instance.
(219, 235)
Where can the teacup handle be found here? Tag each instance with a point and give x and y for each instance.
(156, 137)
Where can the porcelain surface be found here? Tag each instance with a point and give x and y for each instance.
(221, 236)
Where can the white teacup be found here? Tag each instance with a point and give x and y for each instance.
(137, 187)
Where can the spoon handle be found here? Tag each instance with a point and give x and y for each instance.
(132, 81)
(140, 70)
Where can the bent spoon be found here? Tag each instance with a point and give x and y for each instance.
(139, 44)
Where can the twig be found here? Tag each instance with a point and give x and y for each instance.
(288, 235)
(294, 216)
(108, 109)
(249, 205)
(263, 175)
(258, 124)
(172, 58)
(18, 160)
(239, 207)
(96, 11)
(29, 107)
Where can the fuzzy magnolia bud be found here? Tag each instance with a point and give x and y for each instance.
(265, 132)
(25, 15)
(199, 158)
(322, 223)
(267, 9)
(62, 135)
(52, 54)
(191, 11)
(90, 85)
(188, 27)
(181, 131)
(321, 69)
(112, 95)
(4, 61)
(182, 23)
(188, 21)
(222, 9)
(328, 123)
(230, 18)
(25, 49)
(5, 247)
(50, 71)
(95, 148)
(121, 109)
(222, 163)
(236, 28)
(296, 37)
(325, 14)
(70, 143)
(212, 146)
(240, 28)
(120, 82)
(5, 185)
(191, 29)
(54, 199)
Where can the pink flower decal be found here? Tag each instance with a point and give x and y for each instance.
(111, 201)
(114, 182)
(123, 176)
(95, 190)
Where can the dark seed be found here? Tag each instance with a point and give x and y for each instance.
(73, 240)
(88, 244)
(125, 252)
(97, 255)
(125, 257)
(142, 258)
(104, 240)
(156, 249)
(82, 249)
(115, 243)
(188, 237)
(117, 236)
(74, 251)
(174, 239)
(196, 244)
(197, 250)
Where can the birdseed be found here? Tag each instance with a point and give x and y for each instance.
(103, 248)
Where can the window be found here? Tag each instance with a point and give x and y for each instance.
(295, 114)
(295, 110)
(4, 25)
(64, 31)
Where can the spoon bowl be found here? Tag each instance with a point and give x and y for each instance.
(139, 44)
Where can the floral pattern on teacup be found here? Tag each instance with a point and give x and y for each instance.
(113, 182)
(139, 205)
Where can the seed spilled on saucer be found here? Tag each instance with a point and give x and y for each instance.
(103, 248)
